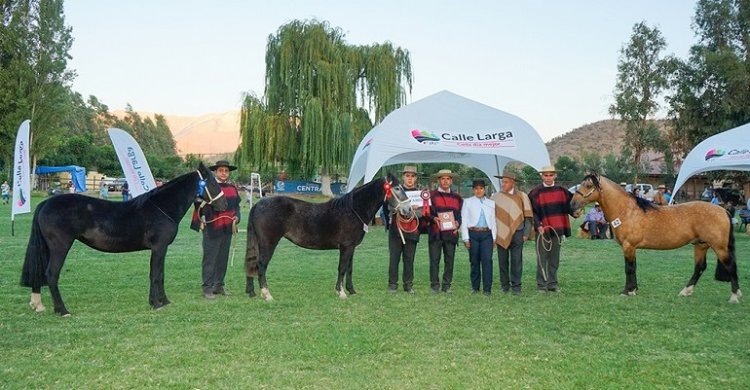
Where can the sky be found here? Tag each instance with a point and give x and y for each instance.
(551, 63)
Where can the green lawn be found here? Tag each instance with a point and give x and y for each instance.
(588, 336)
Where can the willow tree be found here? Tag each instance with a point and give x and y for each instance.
(320, 96)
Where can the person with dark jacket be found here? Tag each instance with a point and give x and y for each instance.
(218, 228)
(403, 236)
(445, 210)
(551, 206)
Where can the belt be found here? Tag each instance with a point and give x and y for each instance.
(479, 229)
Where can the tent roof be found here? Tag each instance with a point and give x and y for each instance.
(728, 150)
(446, 127)
(41, 169)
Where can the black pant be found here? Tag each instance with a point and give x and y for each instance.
(436, 248)
(480, 257)
(597, 229)
(511, 263)
(397, 249)
(547, 261)
(215, 259)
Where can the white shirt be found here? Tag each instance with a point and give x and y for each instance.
(472, 210)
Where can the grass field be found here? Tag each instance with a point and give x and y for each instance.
(588, 336)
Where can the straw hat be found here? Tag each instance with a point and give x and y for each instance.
(548, 168)
(445, 172)
(507, 174)
(410, 169)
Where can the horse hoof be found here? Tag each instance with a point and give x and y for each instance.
(37, 307)
(686, 292)
(266, 295)
(341, 294)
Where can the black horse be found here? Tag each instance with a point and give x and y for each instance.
(149, 221)
(340, 223)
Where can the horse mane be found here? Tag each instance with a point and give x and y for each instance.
(643, 204)
(368, 190)
(142, 199)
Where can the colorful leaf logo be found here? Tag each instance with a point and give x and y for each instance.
(424, 136)
(714, 153)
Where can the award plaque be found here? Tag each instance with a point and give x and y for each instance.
(447, 221)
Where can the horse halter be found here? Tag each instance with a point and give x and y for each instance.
(203, 188)
(587, 195)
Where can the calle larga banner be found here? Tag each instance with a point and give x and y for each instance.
(134, 165)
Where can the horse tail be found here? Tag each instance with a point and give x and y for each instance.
(251, 254)
(724, 271)
(37, 256)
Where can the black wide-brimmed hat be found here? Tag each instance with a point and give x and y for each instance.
(222, 163)
(478, 183)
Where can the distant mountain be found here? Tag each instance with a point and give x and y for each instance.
(205, 135)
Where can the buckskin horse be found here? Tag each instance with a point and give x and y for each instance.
(639, 224)
(340, 223)
(149, 221)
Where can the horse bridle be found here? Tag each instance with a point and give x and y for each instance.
(589, 194)
(203, 188)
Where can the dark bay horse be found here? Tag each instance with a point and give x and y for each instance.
(340, 224)
(638, 223)
(150, 221)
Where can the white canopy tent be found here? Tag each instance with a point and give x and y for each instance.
(729, 150)
(445, 127)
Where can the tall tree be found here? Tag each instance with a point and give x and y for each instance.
(712, 87)
(319, 94)
(642, 76)
(34, 79)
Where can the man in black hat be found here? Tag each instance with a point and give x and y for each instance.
(218, 228)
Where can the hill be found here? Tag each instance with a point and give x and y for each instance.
(205, 135)
(604, 136)
(218, 133)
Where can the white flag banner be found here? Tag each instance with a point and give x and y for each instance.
(133, 162)
(22, 172)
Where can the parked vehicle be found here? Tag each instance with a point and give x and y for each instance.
(641, 186)
(115, 184)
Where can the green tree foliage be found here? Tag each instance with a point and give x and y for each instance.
(34, 46)
(642, 76)
(567, 169)
(712, 87)
(318, 95)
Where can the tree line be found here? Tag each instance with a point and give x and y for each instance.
(323, 94)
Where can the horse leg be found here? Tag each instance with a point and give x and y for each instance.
(249, 286)
(631, 280)
(157, 297)
(58, 251)
(699, 255)
(345, 260)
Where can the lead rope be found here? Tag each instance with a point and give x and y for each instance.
(543, 239)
